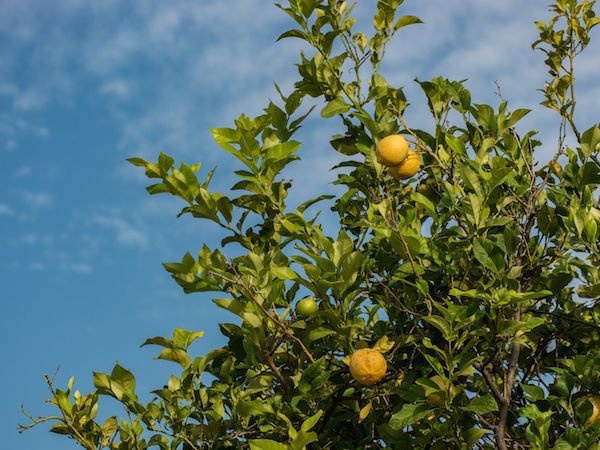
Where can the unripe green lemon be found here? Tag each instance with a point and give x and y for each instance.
(306, 307)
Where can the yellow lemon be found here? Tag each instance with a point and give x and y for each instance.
(367, 366)
(408, 168)
(595, 401)
(392, 150)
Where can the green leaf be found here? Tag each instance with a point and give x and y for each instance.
(101, 381)
(176, 355)
(472, 179)
(441, 324)
(248, 408)
(158, 340)
(158, 440)
(472, 435)
(284, 273)
(589, 173)
(409, 414)
(124, 378)
(165, 161)
(184, 338)
(471, 293)
(312, 201)
(282, 150)
(517, 115)
(482, 405)
(311, 421)
(137, 161)
(512, 327)
(524, 296)
(224, 135)
(534, 392)
(498, 177)
(292, 33)
(318, 333)
(483, 255)
(109, 426)
(302, 439)
(435, 364)
(60, 428)
(313, 377)
(253, 320)
(426, 203)
(351, 266)
(266, 444)
(405, 21)
(456, 144)
(590, 140)
(334, 107)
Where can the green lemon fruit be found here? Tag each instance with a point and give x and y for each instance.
(306, 307)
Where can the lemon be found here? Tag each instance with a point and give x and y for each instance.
(392, 150)
(595, 401)
(306, 307)
(408, 168)
(367, 366)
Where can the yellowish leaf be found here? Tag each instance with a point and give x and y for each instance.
(364, 412)
(384, 344)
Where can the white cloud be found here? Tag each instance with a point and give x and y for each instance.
(76, 267)
(30, 100)
(38, 199)
(9, 145)
(65, 262)
(22, 172)
(36, 130)
(207, 62)
(6, 210)
(8, 89)
(12, 127)
(37, 266)
(34, 239)
(116, 88)
(124, 233)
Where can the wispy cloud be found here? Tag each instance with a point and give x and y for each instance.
(38, 199)
(33, 238)
(23, 171)
(30, 100)
(6, 210)
(13, 127)
(190, 62)
(76, 267)
(123, 232)
(116, 88)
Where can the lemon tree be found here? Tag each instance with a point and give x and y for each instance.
(469, 284)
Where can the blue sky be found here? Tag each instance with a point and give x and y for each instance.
(85, 84)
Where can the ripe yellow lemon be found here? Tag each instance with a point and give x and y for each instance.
(595, 401)
(367, 366)
(392, 150)
(409, 167)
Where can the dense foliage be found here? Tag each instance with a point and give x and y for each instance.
(478, 279)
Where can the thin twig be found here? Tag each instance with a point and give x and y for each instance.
(276, 320)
